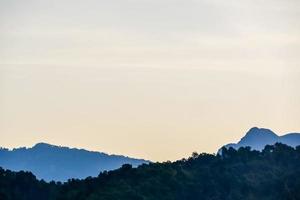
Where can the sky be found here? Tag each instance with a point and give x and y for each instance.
(153, 79)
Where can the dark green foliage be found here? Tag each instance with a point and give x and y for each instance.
(24, 186)
(271, 174)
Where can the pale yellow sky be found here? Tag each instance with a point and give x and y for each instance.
(150, 79)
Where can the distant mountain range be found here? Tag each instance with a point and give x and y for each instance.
(258, 138)
(50, 162)
(235, 175)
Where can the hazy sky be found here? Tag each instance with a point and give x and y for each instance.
(156, 79)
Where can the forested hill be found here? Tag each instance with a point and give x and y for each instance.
(271, 174)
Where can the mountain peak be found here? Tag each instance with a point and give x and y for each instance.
(42, 145)
(255, 131)
(258, 138)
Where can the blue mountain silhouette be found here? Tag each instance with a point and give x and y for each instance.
(258, 138)
(50, 162)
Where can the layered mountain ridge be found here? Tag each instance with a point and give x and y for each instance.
(51, 162)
